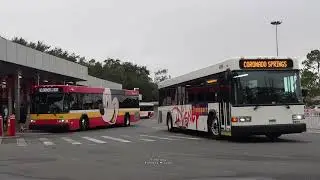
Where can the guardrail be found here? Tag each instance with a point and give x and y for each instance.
(312, 119)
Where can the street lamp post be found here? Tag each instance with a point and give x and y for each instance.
(276, 23)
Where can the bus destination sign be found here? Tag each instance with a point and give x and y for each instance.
(48, 90)
(265, 63)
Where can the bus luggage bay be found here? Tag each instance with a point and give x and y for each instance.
(81, 107)
(237, 97)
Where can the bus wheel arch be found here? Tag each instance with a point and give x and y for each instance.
(84, 122)
(213, 125)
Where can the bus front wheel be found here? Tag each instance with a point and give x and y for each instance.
(84, 124)
(214, 129)
(169, 123)
(127, 120)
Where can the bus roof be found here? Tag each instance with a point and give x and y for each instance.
(86, 89)
(231, 63)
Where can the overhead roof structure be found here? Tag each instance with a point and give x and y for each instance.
(31, 63)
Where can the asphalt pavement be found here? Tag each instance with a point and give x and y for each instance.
(147, 151)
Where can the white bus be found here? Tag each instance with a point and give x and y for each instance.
(146, 110)
(237, 97)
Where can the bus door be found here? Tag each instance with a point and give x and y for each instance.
(224, 109)
(181, 102)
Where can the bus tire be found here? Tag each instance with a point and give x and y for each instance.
(126, 121)
(214, 128)
(84, 123)
(170, 123)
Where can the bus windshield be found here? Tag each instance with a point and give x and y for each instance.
(146, 108)
(266, 87)
(48, 103)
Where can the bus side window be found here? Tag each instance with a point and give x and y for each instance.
(97, 100)
(162, 97)
(74, 102)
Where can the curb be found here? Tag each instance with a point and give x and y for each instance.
(313, 131)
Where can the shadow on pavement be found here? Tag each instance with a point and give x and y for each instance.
(250, 139)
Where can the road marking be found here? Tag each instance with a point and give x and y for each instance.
(183, 137)
(94, 140)
(46, 141)
(21, 142)
(70, 140)
(126, 136)
(116, 139)
(157, 137)
(148, 140)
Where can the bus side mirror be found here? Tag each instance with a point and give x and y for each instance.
(304, 92)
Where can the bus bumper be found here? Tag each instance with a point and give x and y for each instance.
(48, 127)
(268, 129)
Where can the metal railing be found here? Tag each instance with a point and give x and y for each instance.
(312, 119)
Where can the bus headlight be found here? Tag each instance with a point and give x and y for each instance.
(62, 121)
(297, 117)
(241, 119)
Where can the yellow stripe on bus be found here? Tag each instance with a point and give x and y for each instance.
(78, 115)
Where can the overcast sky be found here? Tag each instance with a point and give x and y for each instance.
(181, 35)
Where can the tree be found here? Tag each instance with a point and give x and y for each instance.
(161, 75)
(310, 74)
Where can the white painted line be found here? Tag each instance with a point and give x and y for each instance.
(183, 137)
(94, 140)
(126, 136)
(21, 142)
(148, 140)
(116, 139)
(70, 140)
(157, 137)
(46, 141)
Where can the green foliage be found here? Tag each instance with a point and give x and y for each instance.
(126, 73)
(310, 75)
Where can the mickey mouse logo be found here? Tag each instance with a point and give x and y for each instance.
(110, 108)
